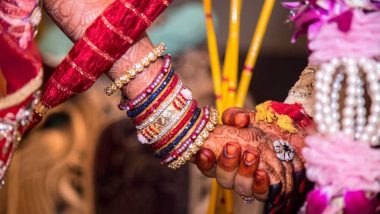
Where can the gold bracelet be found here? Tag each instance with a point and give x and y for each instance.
(137, 68)
(198, 144)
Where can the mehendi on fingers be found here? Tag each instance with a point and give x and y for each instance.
(230, 157)
(247, 170)
(248, 138)
(299, 193)
(260, 187)
(273, 132)
(223, 134)
(228, 164)
(274, 197)
(270, 159)
(206, 162)
(289, 170)
(298, 164)
(250, 162)
(236, 117)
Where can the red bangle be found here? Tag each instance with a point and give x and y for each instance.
(185, 120)
(185, 144)
(153, 107)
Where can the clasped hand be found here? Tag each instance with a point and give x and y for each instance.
(242, 156)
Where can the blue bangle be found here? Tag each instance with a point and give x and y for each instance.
(153, 96)
(178, 139)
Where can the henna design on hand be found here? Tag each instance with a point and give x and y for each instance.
(74, 16)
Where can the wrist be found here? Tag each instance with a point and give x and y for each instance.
(138, 51)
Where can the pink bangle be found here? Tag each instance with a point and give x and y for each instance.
(190, 140)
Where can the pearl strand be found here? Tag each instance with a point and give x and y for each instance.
(361, 112)
(348, 118)
(336, 87)
(372, 77)
(323, 109)
(354, 114)
(377, 98)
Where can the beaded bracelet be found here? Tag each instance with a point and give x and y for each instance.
(197, 145)
(164, 151)
(141, 97)
(193, 136)
(153, 96)
(137, 68)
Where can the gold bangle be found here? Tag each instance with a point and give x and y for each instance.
(164, 119)
(198, 144)
(137, 68)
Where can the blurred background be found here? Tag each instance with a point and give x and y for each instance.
(84, 157)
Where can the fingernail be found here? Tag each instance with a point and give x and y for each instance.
(249, 159)
(241, 119)
(204, 158)
(231, 151)
(259, 180)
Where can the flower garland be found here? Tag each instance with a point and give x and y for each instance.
(352, 174)
(309, 15)
(344, 43)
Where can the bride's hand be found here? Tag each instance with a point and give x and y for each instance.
(232, 155)
(286, 178)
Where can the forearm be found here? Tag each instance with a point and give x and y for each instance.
(74, 25)
(74, 17)
(134, 54)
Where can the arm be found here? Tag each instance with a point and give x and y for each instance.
(73, 17)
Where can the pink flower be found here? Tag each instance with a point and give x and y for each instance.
(309, 16)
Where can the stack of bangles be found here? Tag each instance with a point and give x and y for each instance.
(168, 118)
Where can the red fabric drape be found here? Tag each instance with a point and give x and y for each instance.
(125, 15)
